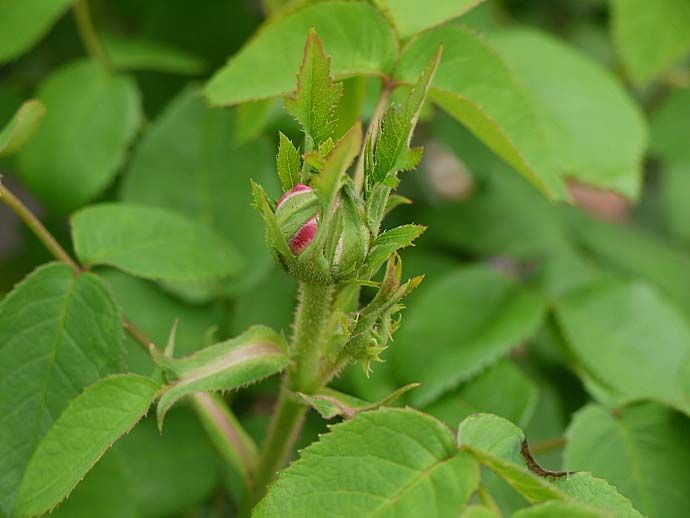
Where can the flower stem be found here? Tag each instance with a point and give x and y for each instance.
(89, 36)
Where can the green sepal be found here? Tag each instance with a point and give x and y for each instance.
(288, 163)
(274, 236)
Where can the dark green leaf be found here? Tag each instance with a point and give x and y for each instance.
(135, 53)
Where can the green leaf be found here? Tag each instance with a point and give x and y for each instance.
(583, 110)
(650, 41)
(479, 511)
(331, 403)
(389, 462)
(288, 162)
(557, 508)
(90, 424)
(643, 451)
(136, 53)
(255, 354)
(481, 91)
(389, 242)
(24, 22)
(316, 97)
(411, 16)
(188, 162)
(674, 190)
(668, 127)
(91, 121)
(330, 180)
(59, 332)
(267, 65)
(393, 153)
(502, 390)
(609, 326)
(150, 242)
(461, 324)
(22, 127)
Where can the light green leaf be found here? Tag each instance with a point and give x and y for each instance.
(674, 192)
(643, 451)
(610, 327)
(289, 163)
(554, 508)
(390, 462)
(650, 40)
(669, 127)
(136, 53)
(389, 242)
(22, 127)
(477, 88)
(314, 101)
(595, 130)
(59, 332)
(267, 65)
(502, 390)
(330, 180)
(255, 354)
(80, 436)
(188, 162)
(461, 324)
(413, 16)
(479, 511)
(150, 242)
(597, 492)
(24, 22)
(92, 118)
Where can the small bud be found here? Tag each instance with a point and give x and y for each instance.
(297, 215)
(353, 243)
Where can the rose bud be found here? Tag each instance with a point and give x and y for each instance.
(353, 244)
(297, 215)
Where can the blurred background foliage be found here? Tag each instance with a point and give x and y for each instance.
(530, 309)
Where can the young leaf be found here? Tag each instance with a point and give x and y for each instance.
(24, 23)
(609, 326)
(288, 162)
(92, 118)
(21, 128)
(393, 153)
(255, 354)
(583, 108)
(389, 462)
(150, 242)
(643, 451)
(412, 17)
(481, 92)
(389, 242)
(313, 103)
(331, 403)
(90, 424)
(188, 162)
(59, 333)
(646, 58)
(461, 324)
(266, 66)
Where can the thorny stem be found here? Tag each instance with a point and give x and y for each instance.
(387, 87)
(89, 36)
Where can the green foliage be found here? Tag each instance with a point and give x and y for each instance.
(21, 128)
(87, 105)
(79, 437)
(59, 333)
(150, 242)
(411, 17)
(144, 54)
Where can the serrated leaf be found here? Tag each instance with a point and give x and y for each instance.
(609, 326)
(669, 24)
(392, 153)
(59, 333)
(137, 53)
(255, 354)
(89, 425)
(411, 16)
(558, 508)
(390, 462)
(331, 403)
(24, 22)
(330, 180)
(592, 125)
(482, 92)
(389, 242)
(316, 97)
(288, 163)
(643, 451)
(267, 65)
(22, 127)
(150, 242)
(503, 390)
(91, 120)
(461, 324)
(188, 162)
